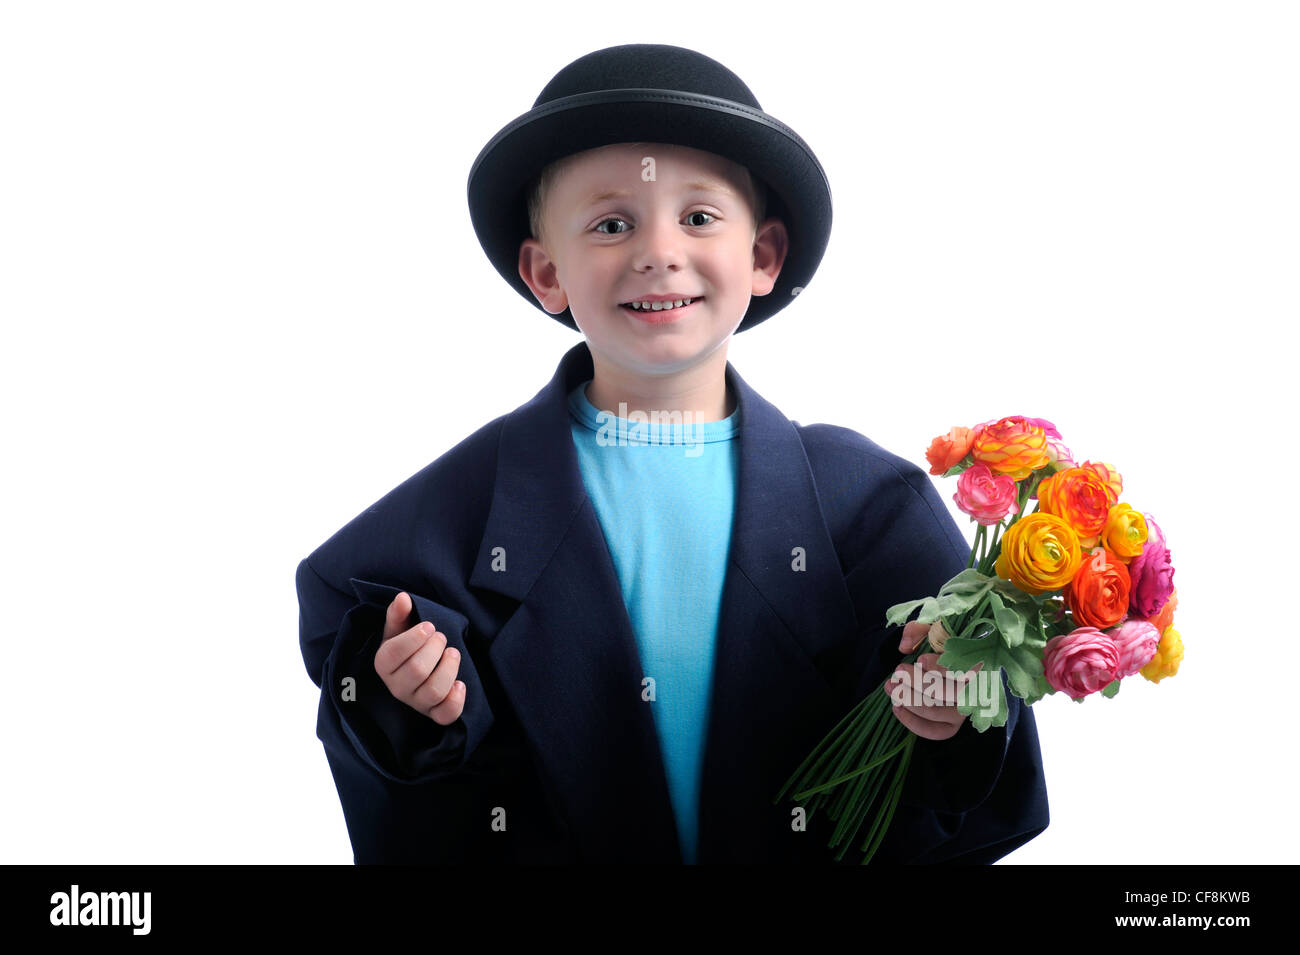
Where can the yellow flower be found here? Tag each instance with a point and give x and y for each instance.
(1168, 655)
(1040, 552)
(1125, 532)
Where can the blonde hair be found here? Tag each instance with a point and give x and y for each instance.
(540, 189)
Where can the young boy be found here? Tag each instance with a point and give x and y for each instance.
(607, 626)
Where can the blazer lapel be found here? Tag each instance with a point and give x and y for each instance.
(568, 659)
(784, 602)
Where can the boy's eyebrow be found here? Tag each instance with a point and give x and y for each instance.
(701, 185)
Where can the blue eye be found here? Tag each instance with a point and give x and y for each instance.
(610, 219)
(699, 212)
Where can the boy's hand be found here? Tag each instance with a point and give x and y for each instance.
(418, 667)
(924, 717)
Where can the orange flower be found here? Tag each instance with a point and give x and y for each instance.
(947, 449)
(1082, 497)
(1098, 594)
(1165, 618)
(1039, 552)
(1125, 532)
(1012, 446)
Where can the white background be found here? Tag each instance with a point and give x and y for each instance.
(242, 299)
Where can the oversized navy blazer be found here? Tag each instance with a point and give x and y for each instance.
(555, 758)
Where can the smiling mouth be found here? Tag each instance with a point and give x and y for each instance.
(650, 313)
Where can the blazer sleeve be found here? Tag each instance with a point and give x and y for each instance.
(974, 797)
(358, 718)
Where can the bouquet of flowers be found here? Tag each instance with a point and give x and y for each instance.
(1072, 597)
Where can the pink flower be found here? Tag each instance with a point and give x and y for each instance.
(985, 496)
(1080, 662)
(1136, 641)
(1151, 574)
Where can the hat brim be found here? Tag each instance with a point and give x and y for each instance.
(798, 191)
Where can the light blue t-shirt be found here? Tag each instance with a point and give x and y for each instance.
(664, 493)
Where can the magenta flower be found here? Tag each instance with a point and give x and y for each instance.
(1151, 574)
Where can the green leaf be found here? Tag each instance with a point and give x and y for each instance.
(899, 613)
(978, 717)
(949, 605)
(958, 595)
(1035, 640)
(1050, 627)
(1010, 621)
(1111, 689)
(1041, 689)
(1010, 591)
(967, 581)
(1022, 663)
(983, 715)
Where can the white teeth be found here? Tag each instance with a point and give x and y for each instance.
(660, 306)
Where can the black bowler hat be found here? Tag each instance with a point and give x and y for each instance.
(645, 92)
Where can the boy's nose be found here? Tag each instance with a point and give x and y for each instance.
(658, 244)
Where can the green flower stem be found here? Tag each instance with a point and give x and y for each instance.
(843, 743)
(881, 744)
(860, 739)
(976, 548)
(867, 792)
(823, 750)
(986, 565)
(965, 619)
(878, 803)
(861, 734)
(884, 818)
(851, 796)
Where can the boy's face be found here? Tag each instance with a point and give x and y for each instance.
(689, 232)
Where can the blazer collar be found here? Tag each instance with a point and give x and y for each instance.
(568, 658)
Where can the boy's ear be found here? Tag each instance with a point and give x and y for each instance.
(538, 271)
(771, 245)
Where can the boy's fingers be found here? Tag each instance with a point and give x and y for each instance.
(923, 727)
(912, 634)
(398, 617)
(449, 710)
(433, 692)
(396, 654)
(915, 685)
(412, 674)
(930, 661)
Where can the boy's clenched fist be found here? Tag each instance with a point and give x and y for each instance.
(418, 667)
